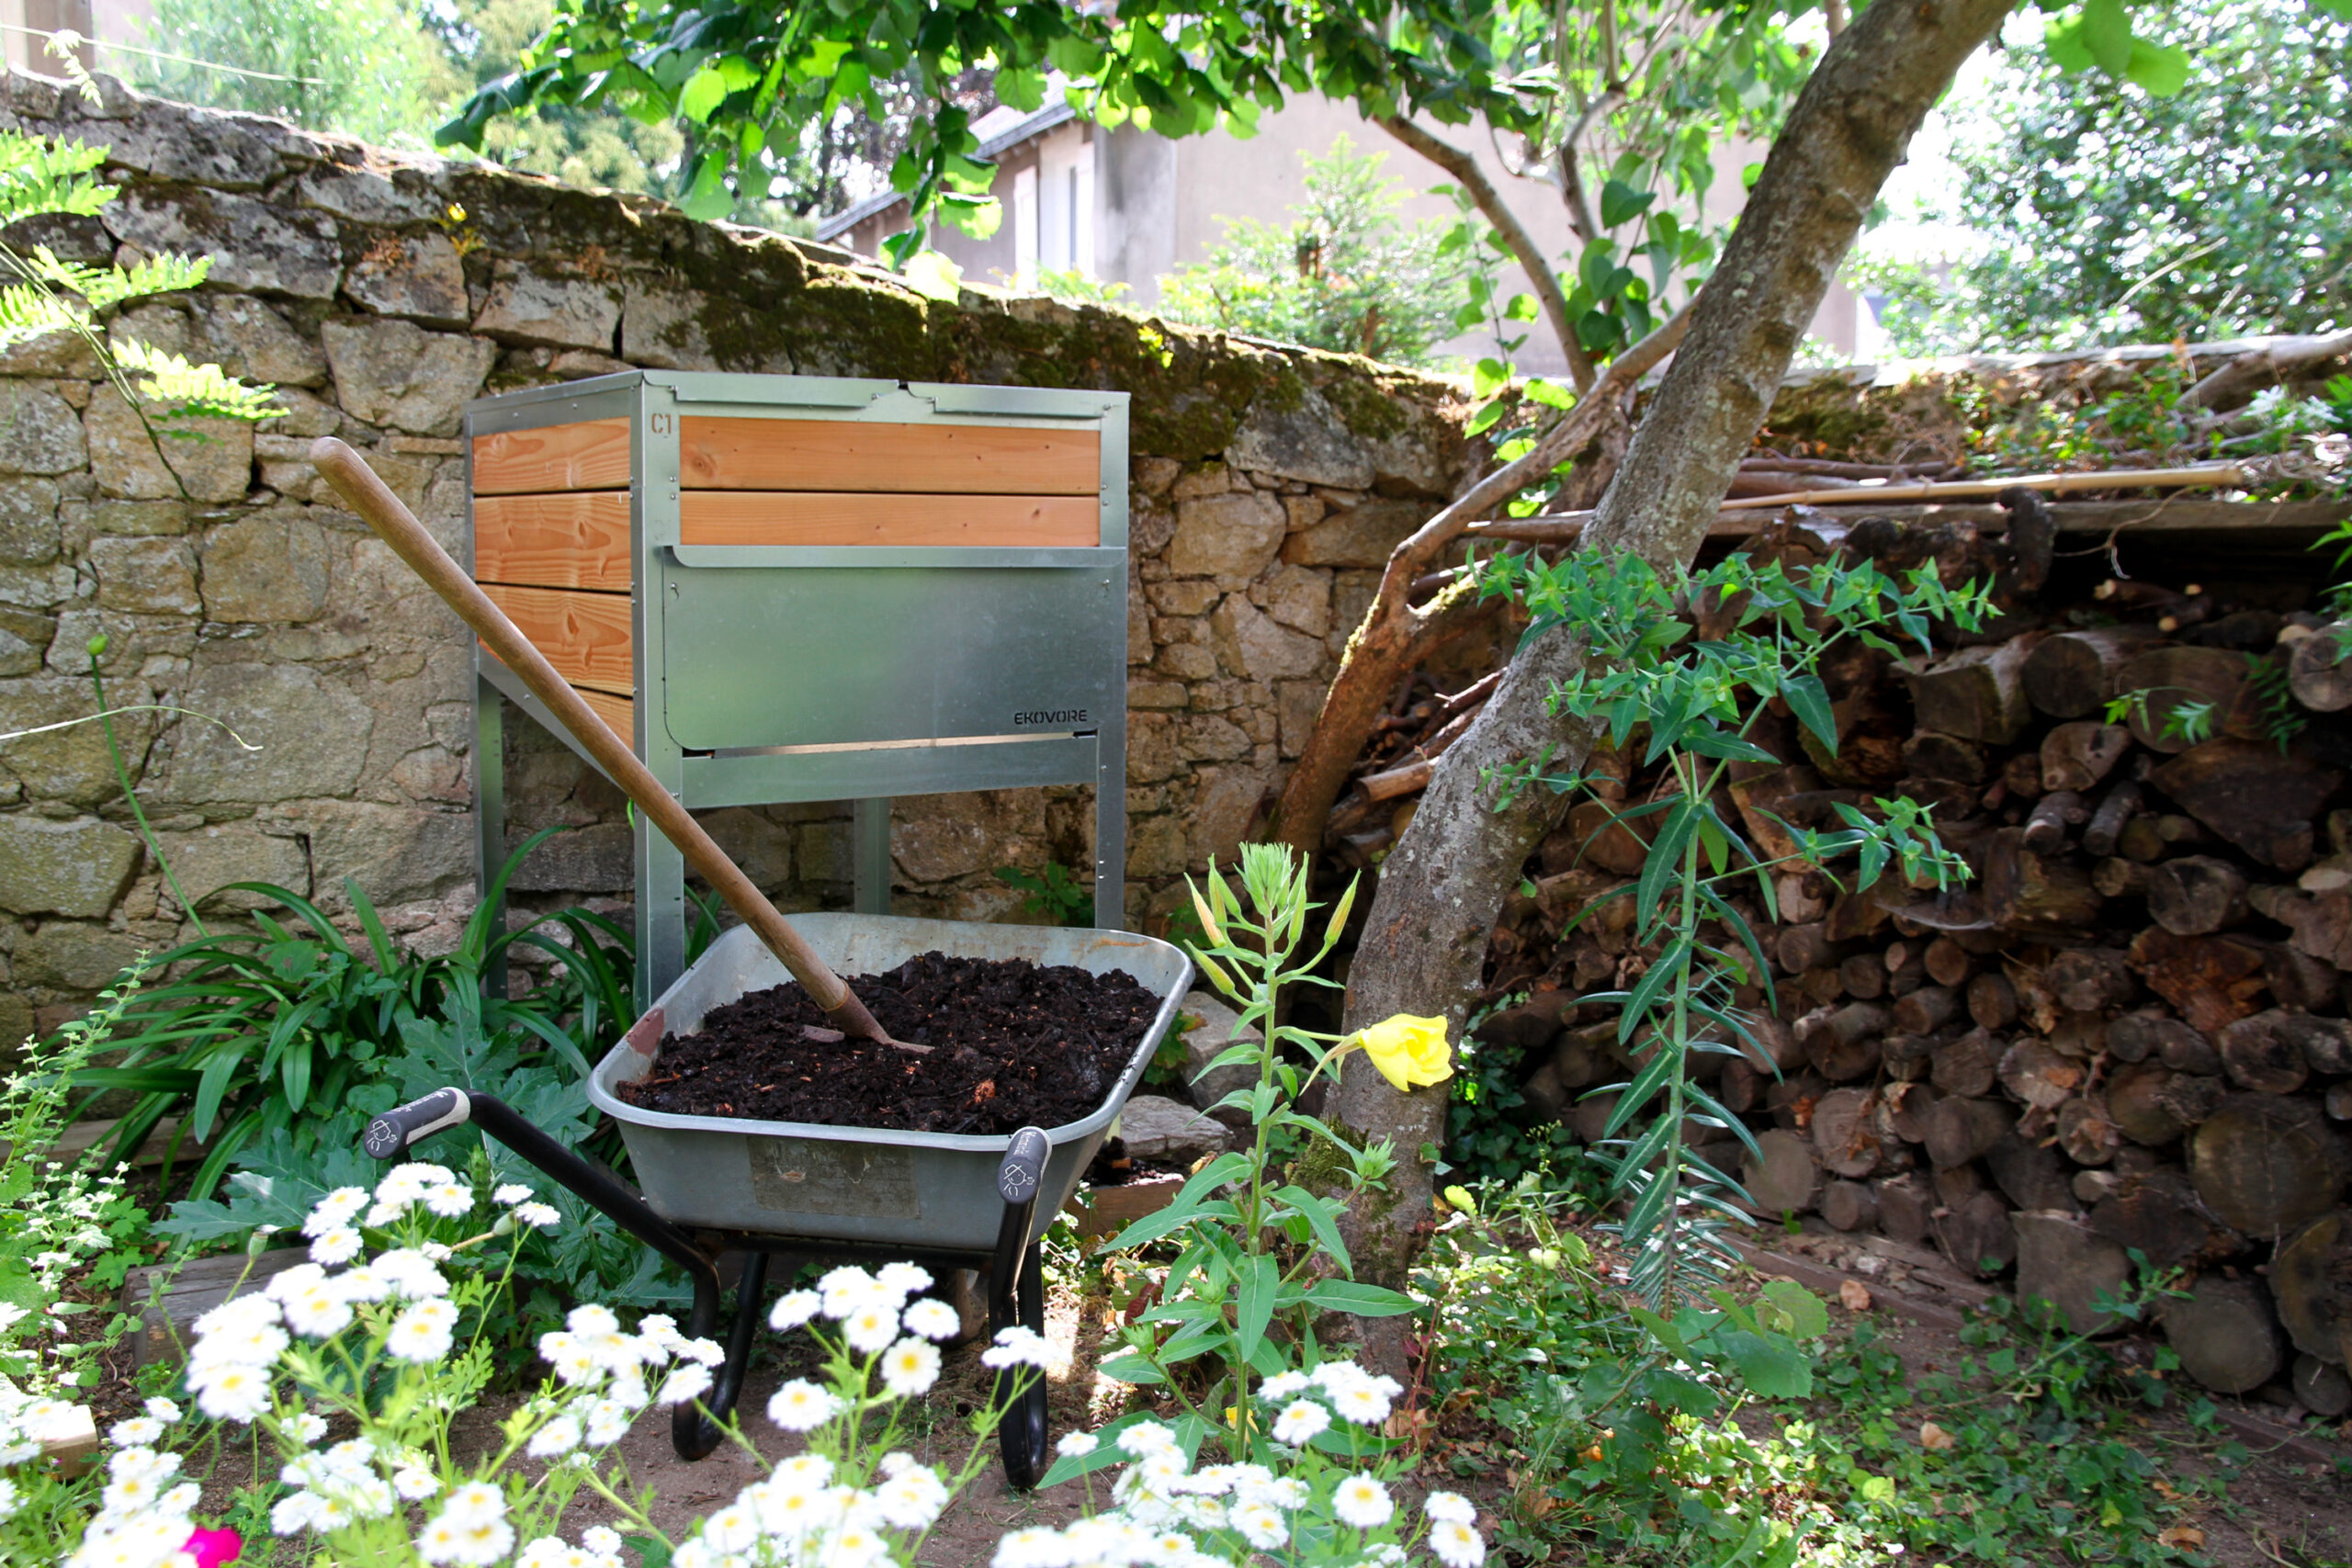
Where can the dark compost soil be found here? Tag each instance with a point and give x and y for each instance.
(1016, 1045)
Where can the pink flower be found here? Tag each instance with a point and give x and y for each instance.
(212, 1548)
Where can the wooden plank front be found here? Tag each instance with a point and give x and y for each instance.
(592, 453)
(616, 711)
(584, 636)
(853, 454)
(578, 539)
(755, 517)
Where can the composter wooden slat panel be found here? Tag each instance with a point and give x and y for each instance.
(591, 454)
(853, 454)
(620, 713)
(584, 636)
(575, 539)
(763, 517)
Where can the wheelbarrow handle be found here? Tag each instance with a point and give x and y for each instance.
(393, 1133)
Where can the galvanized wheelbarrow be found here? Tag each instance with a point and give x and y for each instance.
(716, 1185)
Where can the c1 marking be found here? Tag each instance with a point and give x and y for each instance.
(661, 424)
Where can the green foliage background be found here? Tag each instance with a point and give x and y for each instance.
(2110, 215)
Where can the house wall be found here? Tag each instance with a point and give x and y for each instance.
(1162, 203)
(381, 291)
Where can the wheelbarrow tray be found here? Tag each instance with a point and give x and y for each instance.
(871, 1186)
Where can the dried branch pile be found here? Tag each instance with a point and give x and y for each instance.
(2127, 1032)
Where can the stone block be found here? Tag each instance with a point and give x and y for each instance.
(1212, 479)
(207, 859)
(1228, 800)
(21, 655)
(194, 148)
(1290, 432)
(1150, 526)
(397, 854)
(72, 765)
(416, 276)
(1189, 597)
(1248, 643)
(1186, 661)
(1165, 694)
(598, 858)
(938, 837)
(208, 459)
(271, 566)
(1234, 534)
(1154, 476)
(86, 520)
(366, 197)
(1151, 748)
(397, 374)
(1220, 1026)
(821, 850)
(1297, 596)
(39, 432)
(664, 330)
(1156, 1128)
(65, 957)
(256, 248)
(764, 848)
(29, 525)
(148, 577)
(63, 354)
(248, 338)
(1361, 536)
(313, 737)
(1205, 737)
(77, 869)
(528, 307)
(1158, 846)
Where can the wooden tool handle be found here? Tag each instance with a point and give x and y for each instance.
(373, 499)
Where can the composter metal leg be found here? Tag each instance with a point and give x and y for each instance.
(489, 811)
(661, 894)
(1111, 826)
(869, 855)
(1017, 1295)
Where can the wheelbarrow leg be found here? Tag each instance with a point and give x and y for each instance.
(1017, 1295)
(694, 1427)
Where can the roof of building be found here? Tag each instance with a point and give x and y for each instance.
(1018, 128)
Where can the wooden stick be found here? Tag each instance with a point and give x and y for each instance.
(2151, 516)
(368, 495)
(1955, 489)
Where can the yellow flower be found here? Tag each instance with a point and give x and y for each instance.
(1409, 1051)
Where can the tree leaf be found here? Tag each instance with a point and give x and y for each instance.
(2161, 68)
(2106, 33)
(702, 95)
(1621, 202)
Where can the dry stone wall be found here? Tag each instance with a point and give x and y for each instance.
(380, 291)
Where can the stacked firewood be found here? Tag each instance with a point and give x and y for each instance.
(2126, 1033)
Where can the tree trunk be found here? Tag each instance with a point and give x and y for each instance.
(1424, 939)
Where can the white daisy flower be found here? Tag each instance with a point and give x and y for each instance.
(909, 1368)
(510, 1194)
(163, 1410)
(1362, 1502)
(1075, 1445)
(1146, 1437)
(1456, 1545)
(416, 1483)
(1450, 1507)
(1260, 1524)
(792, 1310)
(905, 1278)
(137, 1432)
(1018, 1347)
(337, 1208)
(932, 1318)
(423, 1333)
(871, 1327)
(560, 1436)
(1300, 1422)
(686, 1383)
(541, 1217)
(800, 1405)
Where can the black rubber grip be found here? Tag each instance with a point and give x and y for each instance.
(1025, 1166)
(389, 1136)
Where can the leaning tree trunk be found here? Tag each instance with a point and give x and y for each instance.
(1424, 942)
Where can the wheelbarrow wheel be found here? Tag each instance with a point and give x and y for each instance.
(1022, 1438)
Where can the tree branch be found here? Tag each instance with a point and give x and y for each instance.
(1516, 239)
(1396, 636)
(2279, 360)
